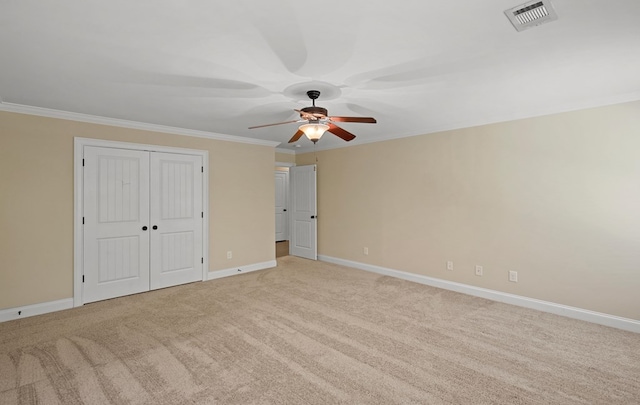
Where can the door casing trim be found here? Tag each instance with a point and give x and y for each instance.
(78, 192)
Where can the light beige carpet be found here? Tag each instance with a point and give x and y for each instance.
(313, 333)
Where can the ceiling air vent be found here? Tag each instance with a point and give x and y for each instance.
(530, 14)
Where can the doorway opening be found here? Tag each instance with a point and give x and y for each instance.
(139, 218)
(296, 209)
(281, 210)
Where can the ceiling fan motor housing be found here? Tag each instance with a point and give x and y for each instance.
(316, 111)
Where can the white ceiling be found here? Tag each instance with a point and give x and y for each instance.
(222, 66)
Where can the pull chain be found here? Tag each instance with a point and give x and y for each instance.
(315, 151)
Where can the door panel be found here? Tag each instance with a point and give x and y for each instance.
(303, 200)
(116, 207)
(118, 259)
(177, 251)
(176, 207)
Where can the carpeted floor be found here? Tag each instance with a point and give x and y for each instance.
(313, 333)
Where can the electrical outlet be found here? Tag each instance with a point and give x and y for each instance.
(479, 270)
(513, 276)
(229, 254)
(365, 250)
(449, 265)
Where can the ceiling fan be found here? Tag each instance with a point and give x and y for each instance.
(315, 122)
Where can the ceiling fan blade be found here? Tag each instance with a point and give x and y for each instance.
(296, 136)
(303, 115)
(366, 120)
(270, 125)
(341, 133)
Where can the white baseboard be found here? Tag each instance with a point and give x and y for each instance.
(241, 269)
(26, 311)
(627, 324)
(10, 314)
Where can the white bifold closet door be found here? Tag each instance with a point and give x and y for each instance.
(176, 219)
(142, 221)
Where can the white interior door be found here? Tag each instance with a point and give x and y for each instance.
(116, 223)
(304, 236)
(281, 183)
(176, 219)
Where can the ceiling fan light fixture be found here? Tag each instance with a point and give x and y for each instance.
(314, 131)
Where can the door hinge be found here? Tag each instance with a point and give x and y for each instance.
(82, 162)
(82, 220)
(202, 169)
(83, 278)
(202, 214)
(202, 260)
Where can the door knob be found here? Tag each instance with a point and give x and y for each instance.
(144, 228)
(285, 210)
(155, 227)
(313, 217)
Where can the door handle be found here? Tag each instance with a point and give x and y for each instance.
(285, 210)
(155, 227)
(144, 228)
(314, 216)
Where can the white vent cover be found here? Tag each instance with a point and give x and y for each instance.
(530, 14)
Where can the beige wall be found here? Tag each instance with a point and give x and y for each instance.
(556, 198)
(36, 203)
(285, 157)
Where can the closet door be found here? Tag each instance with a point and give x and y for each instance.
(176, 219)
(116, 223)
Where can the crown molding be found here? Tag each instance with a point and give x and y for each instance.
(543, 111)
(114, 122)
